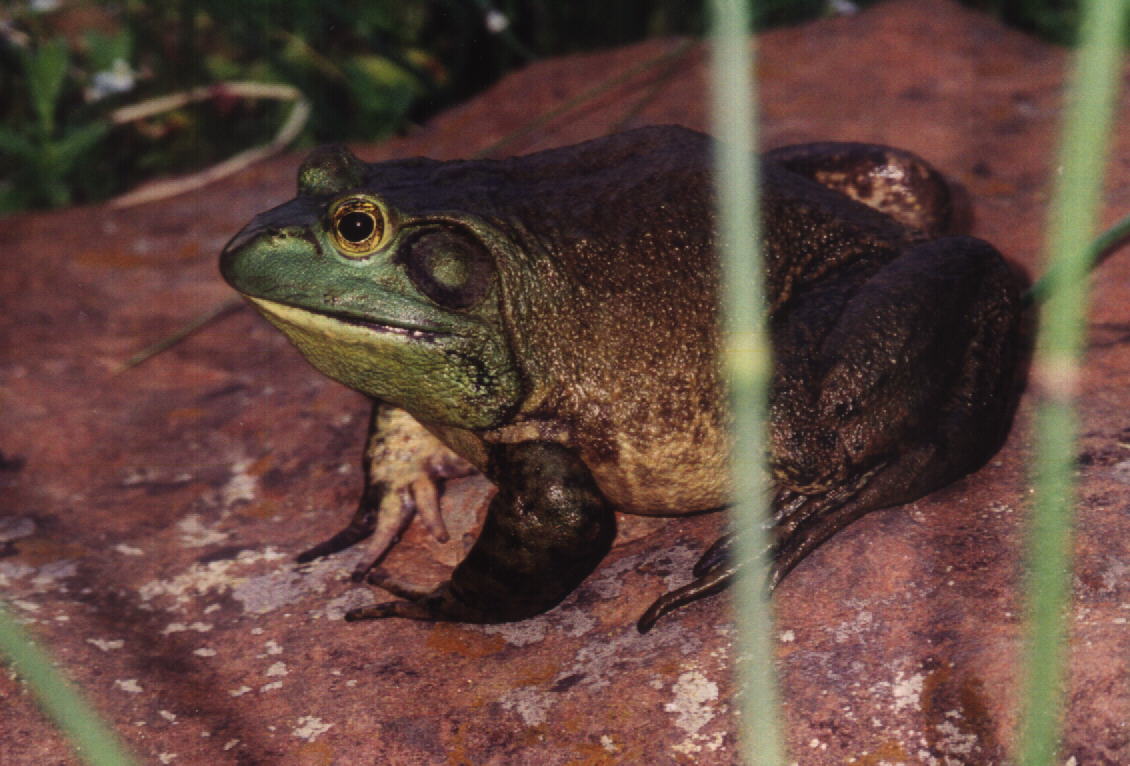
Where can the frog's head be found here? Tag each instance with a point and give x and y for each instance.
(398, 302)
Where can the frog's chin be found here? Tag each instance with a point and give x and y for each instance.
(330, 323)
(414, 368)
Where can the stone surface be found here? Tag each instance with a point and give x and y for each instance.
(149, 517)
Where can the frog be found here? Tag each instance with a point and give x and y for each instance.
(551, 320)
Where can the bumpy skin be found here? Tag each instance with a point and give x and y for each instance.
(552, 318)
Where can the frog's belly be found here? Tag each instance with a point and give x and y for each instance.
(666, 477)
(648, 471)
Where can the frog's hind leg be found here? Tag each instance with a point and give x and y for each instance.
(947, 422)
(716, 569)
(893, 181)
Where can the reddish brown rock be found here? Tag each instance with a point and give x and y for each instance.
(147, 537)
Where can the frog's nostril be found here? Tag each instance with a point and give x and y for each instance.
(237, 242)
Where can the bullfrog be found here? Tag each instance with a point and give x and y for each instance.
(553, 320)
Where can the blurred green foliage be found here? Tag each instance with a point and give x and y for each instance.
(43, 154)
(1054, 20)
(368, 67)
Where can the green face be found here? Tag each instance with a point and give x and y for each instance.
(400, 306)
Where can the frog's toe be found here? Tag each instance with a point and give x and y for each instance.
(714, 580)
(396, 586)
(417, 500)
(714, 571)
(409, 609)
(440, 604)
(426, 497)
(396, 512)
(360, 527)
(419, 603)
(716, 555)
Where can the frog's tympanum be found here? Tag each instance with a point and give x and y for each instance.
(553, 319)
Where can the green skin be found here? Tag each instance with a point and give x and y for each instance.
(553, 319)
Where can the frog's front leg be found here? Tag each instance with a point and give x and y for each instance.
(402, 462)
(546, 530)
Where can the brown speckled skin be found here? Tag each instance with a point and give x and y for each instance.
(896, 347)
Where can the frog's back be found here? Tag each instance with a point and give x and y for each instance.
(620, 325)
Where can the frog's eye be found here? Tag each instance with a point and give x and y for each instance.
(449, 267)
(358, 226)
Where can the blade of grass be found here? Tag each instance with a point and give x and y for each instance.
(46, 69)
(1104, 246)
(213, 314)
(746, 367)
(96, 743)
(1074, 213)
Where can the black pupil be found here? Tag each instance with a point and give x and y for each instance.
(356, 227)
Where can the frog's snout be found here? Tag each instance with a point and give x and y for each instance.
(296, 216)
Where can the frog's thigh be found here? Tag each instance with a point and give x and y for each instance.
(924, 353)
(893, 181)
(923, 400)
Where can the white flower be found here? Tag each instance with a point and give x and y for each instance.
(496, 21)
(119, 78)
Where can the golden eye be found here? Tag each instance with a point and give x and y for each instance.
(358, 226)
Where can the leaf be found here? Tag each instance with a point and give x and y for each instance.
(384, 72)
(76, 143)
(15, 145)
(104, 49)
(45, 68)
(383, 90)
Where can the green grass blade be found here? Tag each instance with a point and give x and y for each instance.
(89, 736)
(46, 68)
(1105, 245)
(16, 145)
(76, 144)
(1072, 221)
(746, 365)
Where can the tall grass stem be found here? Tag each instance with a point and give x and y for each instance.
(746, 365)
(89, 736)
(1071, 224)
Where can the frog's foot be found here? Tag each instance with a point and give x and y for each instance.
(396, 513)
(413, 606)
(383, 516)
(403, 466)
(714, 572)
(800, 524)
(546, 530)
(426, 604)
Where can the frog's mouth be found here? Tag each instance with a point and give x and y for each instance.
(415, 333)
(343, 323)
